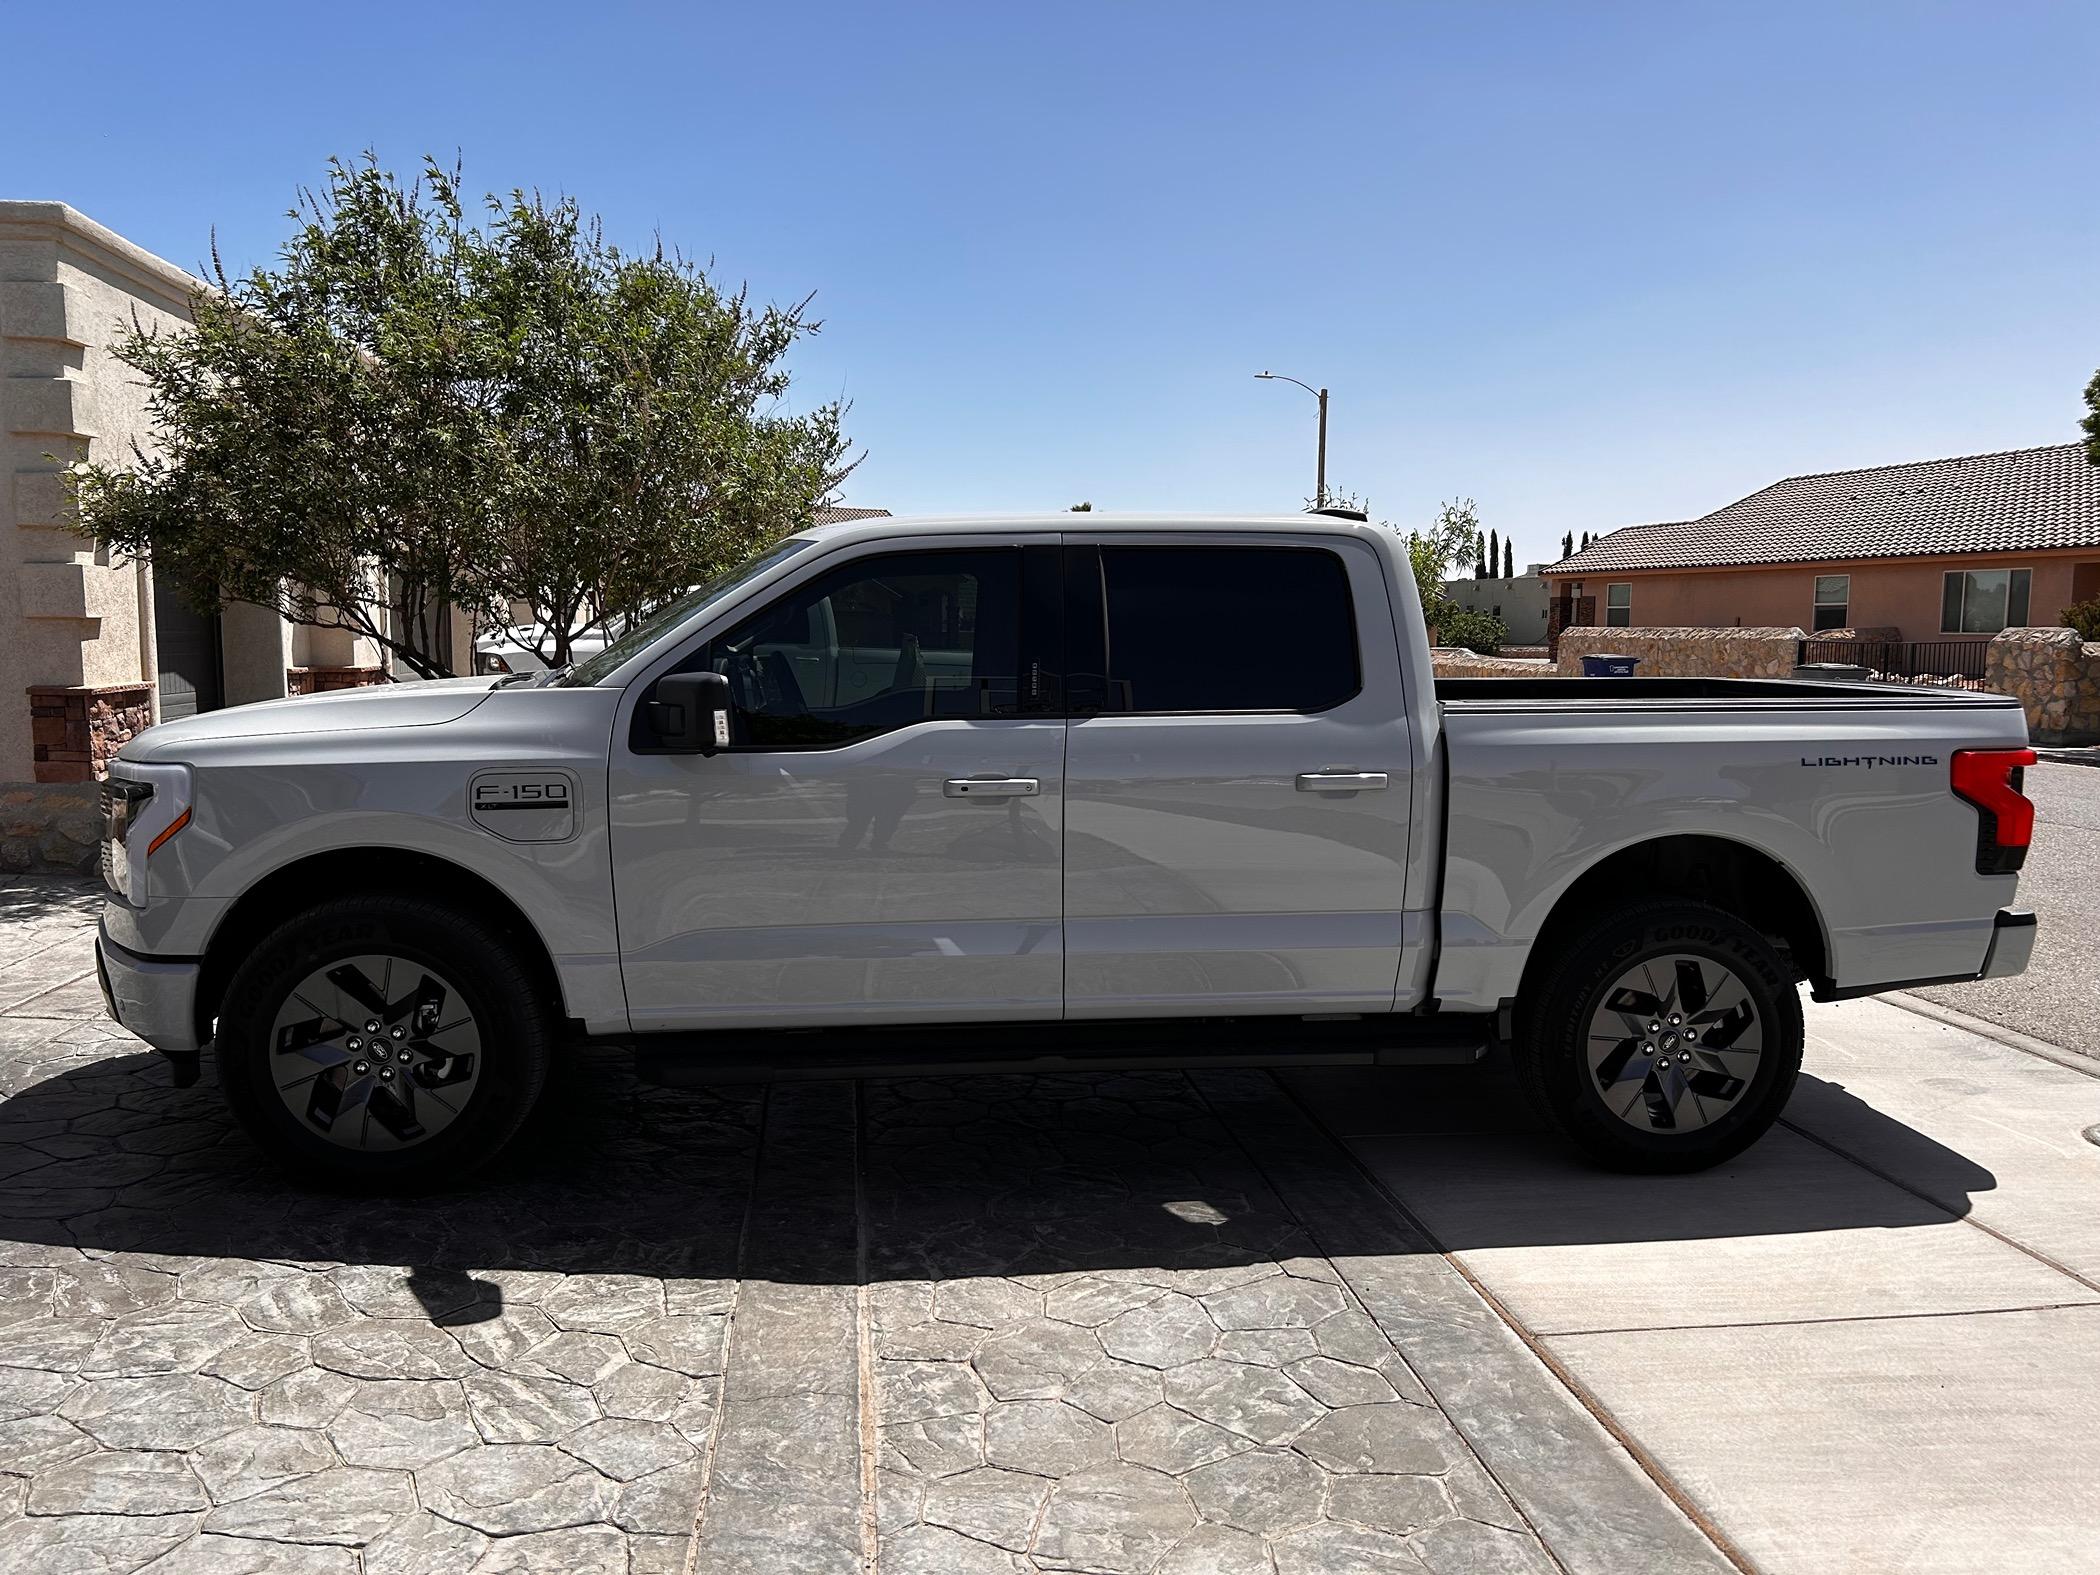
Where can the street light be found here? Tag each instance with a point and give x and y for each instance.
(1320, 484)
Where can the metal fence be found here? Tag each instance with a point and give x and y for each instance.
(1940, 664)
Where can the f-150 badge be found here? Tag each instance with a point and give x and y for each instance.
(524, 806)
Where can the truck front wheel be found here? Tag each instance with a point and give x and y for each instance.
(1666, 1038)
(383, 1041)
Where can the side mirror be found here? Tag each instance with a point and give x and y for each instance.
(689, 712)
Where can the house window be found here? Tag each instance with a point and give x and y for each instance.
(1833, 601)
(1983, 601)
(1618, 605)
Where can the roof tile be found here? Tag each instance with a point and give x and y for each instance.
(2022, 500)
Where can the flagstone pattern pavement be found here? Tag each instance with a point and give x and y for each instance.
(927, 1327)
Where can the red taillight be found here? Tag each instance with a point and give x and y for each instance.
(1990, 779)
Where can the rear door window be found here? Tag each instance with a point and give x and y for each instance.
(1214, 629)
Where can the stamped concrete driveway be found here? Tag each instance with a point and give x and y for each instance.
(1087, 1323)
(1192, 1325)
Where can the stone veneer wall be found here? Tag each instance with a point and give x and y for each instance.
(50, 827)
(75, 730)
(1886, 634)
(1688, 653)
(320, 680)
(1453, 662)
(2056, 678)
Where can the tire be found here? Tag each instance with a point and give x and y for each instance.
(464, 1039)
(1653, 1088)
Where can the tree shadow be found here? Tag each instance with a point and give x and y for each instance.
(34, 899)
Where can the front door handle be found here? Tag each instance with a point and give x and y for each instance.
(1339, 781)
(991, 787)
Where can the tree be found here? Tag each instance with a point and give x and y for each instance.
(1432, 553)
(1480, 556)
(1567, 544)
(2091, 423)
(1509, 559)
(410, 411)
(1494, 558)
(1080, 508)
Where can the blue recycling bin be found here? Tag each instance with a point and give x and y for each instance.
(1609, 666)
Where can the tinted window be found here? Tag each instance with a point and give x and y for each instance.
(879, 643)
(1227, 629)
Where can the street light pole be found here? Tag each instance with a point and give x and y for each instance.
(1320, 483)
(1320, 475)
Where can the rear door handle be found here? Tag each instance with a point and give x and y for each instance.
(991, 787)
(1339, 781)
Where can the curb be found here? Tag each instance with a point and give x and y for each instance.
(2070, 757)
(1998, 1033)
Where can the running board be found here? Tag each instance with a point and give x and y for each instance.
(687, 1059)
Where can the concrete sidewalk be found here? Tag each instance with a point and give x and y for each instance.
(1870, 1344)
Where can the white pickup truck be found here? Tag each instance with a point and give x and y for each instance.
(1036, 792)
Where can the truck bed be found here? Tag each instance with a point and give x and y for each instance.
(1663, 694)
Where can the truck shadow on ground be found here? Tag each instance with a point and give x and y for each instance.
(928, 1178)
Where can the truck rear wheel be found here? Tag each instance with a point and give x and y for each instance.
(1666, 1038)
(384, 1042)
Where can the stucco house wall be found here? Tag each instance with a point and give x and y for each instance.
(1899, 593)
(78, 668)
(1521, 600)
(69, 617)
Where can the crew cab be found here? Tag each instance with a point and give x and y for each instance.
(1004, 792)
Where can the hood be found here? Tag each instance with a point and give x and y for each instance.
(425, 703)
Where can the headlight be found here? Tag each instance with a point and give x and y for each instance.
(487, 662)
(143, 808)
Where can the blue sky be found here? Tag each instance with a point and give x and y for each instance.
(1590, 265)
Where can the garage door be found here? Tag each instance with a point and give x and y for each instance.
(186, 643)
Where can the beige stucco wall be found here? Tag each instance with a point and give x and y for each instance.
(68, 290)
(1522, 603)
(1901, 593)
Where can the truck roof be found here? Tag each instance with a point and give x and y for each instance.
(1027, 524)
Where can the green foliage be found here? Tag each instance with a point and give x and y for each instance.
(1567, 544)
(1476, 631)
(1434, 551)
(2085, 618)
(1509, 559)
(1081, 508)
(2091, 423)
(410, 411)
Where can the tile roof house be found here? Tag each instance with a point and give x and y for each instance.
(1945, 548)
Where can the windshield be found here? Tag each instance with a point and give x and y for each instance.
(671, 614)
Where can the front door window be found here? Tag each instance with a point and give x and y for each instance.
(879, 644)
